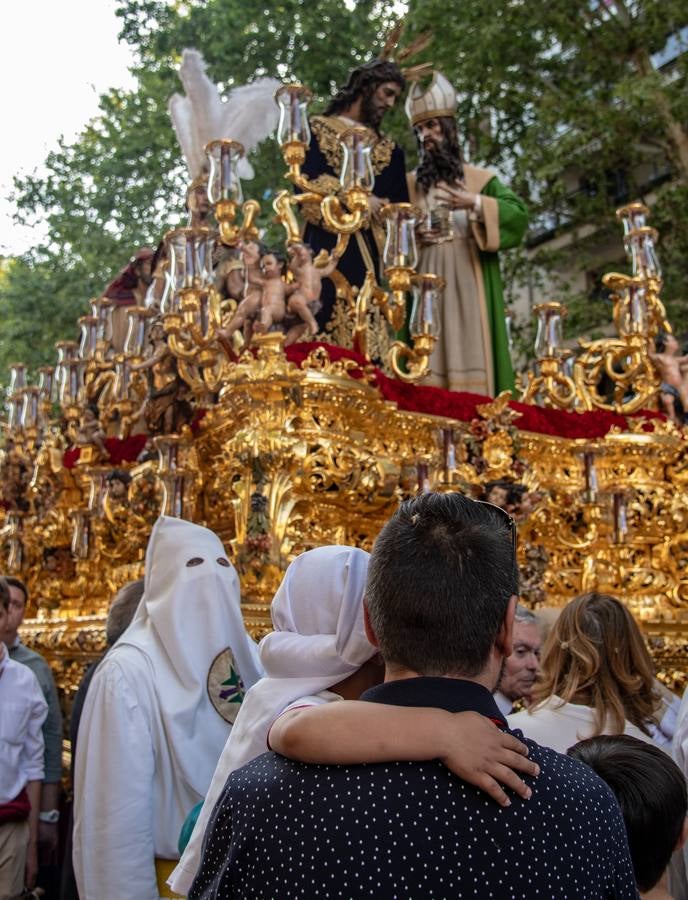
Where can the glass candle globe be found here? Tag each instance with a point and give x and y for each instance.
(224, 182)
(640, 248)
(357, 167)
(550, 332)
(633, 216)
(427, 296)
(400, 244)
(29, 414)
(89, 336)
(191, 258)
(633, 318)
(46, 382)
(72, 381)
(293, 126)
(137, 331)
(104, 309)
(17, 377)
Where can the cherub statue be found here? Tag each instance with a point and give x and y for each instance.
(275, 289)
(116, 502)
(304, 302)
(90, 432)
(58, 572)
(157, 348)
(673, 370)
(251, 292)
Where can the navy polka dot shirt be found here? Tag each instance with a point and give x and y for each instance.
(413, 830)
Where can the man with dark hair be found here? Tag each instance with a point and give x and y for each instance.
(651, 791)
(440, 600)
(469, 216)
(372, 90)
(52, 726)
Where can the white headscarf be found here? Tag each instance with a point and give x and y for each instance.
(188, 617)
(319, 639)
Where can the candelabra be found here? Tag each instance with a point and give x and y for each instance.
(225, 193)
(192, 317)
(617, 374)
(550, 384)
(411, 363)
(614, 374)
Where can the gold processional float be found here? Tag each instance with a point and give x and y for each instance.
(286, 449)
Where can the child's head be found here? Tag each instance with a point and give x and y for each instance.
(118, 482)
(273, 263)
(301, 253)
(651, 791)
(252, 251)
(157, 332)
(91, 413)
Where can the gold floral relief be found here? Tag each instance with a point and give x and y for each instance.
(328, 130)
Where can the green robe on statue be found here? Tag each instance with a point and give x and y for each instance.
(472, 352)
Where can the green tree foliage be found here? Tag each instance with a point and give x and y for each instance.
(113, 190)
(563, 98)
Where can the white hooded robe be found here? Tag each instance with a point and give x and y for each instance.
(158, 714)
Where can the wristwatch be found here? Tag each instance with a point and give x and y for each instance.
(51, 816)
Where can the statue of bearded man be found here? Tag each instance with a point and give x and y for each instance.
(469, 216)
(370, 92)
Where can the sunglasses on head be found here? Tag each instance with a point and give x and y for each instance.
(509, 520)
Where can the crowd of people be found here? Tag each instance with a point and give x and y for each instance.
(406, 729)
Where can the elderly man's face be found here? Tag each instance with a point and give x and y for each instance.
(522, 667)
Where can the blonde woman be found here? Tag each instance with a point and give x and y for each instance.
(597, 677)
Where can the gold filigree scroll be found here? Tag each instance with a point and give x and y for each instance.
(615, 375)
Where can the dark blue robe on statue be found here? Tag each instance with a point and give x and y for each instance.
(323, 167)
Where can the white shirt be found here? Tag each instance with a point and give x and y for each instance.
(663, 732)
(504, 705)
(22, 712)
(560, 725)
